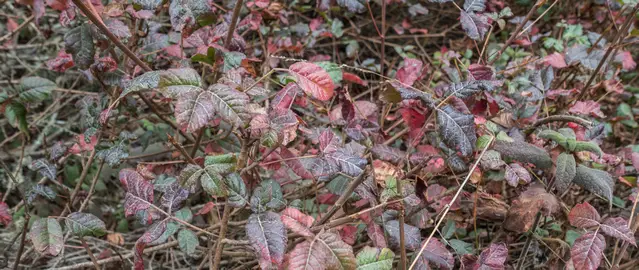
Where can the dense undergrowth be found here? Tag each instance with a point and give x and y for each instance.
(331, 134)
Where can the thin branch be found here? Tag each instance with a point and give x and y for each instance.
(516, 32)
(86, 247)
(220, 243)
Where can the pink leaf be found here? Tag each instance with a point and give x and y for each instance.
(205, 209)
(139, 192)
(583, 215)
(5, 216)
(556, 60)
(294, 164)
(618, 228)
(436, 252)
(587, 251)
(376, 234)
(516, 173)
(493, 257)
(61, 63)
(325, 251)
(313, 79)
(348, 233)
(284, 98)
(588, 107)
(297, 221)
(350, 77)
(410, 71)
(481, 72)
(625, 58)
(267, 236)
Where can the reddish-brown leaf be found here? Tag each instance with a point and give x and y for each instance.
(583, 215)
(587, 251)
(376, 234)
(313, 80)
(556, 60)
(350, 77)
(588, 108)
(139, 192)
(5, 216)
(297, 221)
(617, 227)
(436, 252)
(294, 164)
(493, 257)
(410, 71)
(521, 214)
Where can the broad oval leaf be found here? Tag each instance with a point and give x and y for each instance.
(617, 227)
(83, 224)
(188, 242)
(524, 152)
(325, 251)
(238, 196)
(45, 168)
(267, 196)
(46, 235)
(354, 6)
(297, 221)
(79, 42)
(370, 258)
(587, 251)
(595, 181)
(267, 236)
(185, 13)
(583, 215)
(468, 88)
(412, 237)
(34, 89)
(565, 171)
(474, 5)
(457, 129)
(173, 196)
(436, 252)
(313, 80)
(475, 25)
(493, 257)
(516, 173)
(194, 109)
(139, 192)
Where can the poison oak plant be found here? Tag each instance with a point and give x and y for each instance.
(280, 135)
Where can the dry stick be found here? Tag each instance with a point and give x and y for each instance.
(10, 34)
(215, 263)
(402, 240)
(86, 247)
(559, 118)
(181, 149)
(447, 206)
(515, 33)
(618, 38)
(524, 252)
(83, 175)
(26, 217)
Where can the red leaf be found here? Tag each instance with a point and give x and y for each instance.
(521, 214)
(139, 195)
(625, 58)
(205, 209)
(5, 216)
(295, 164)
(435, 191)
(82, 145)
(297, 221)
(353, 78)
(588, 107)
(618, 228)
(105, 64)
(583, 215)
(587, 251)
(284, 98)
(436, 252)
(556, 60)
(410, 71)
(313, 79)
(480, 72)
(348, 233)
(61, 63)
(376, 234)
(267, 236)
(493, 257)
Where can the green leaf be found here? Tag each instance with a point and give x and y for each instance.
(625, 111)
(84, 224)
(46, 235)
(170, 83)
(186, 12)
(461, 247)
(596, 181)
(209, 58)
(555, 136)
(370, 258)
(268, 195)
(223, 163)
(588, 146)
(333, 70)
(565, 171)
(188, 241)
(195, 109)
(571, 236)
(232, 60)
(16, 114)
(238, 196)
(337, 28)
(524, 152)
(79, 43)
(35, 89)
(211, 182)
(184, 214)
(482, 142)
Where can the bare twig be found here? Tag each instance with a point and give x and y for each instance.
(515, 33)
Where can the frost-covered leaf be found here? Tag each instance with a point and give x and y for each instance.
(172, 82)
(194, 109)
(297, 221)
(584, 216)
(348, 164)
(313, 79)
(587, 251)
(84, 224)
(173, 196)
(46, 235)
(396, 92)
(285, 97)
(354, 6)
(148, 4)
(516, 173)
(333, 70)
(267, 196)
(492, 160)
(617, 227)
(370, 258)
(410, 71)
(388, 153)
(45, 168)
(118, 28)
(412, 237)
(435, 252)
(188, 242)
(325, 251)
(457, 129)
(474, 5)
(579, 53)
(493, 257)
(238, 196)
(41, 190)
(35, 89)
(524, 152)
(475, 25)
(139, 192)
(468, 88)
(186, 12)
(232, 60)
(565, 171)
(113, 155)
(596, 181)
(267, 236)
(294, 164)
(79, 43)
